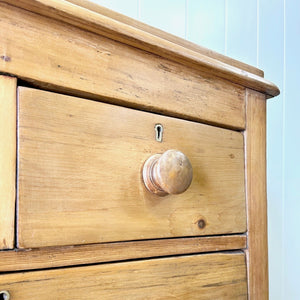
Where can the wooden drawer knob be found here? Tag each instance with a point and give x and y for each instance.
(167, 173)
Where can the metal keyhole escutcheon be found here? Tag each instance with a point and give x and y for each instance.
(4, 295)
(159, 132)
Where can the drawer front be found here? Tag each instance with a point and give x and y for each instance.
(79, 174)
(210, 276)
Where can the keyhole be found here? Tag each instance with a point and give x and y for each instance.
(4, 295)
(159, 132)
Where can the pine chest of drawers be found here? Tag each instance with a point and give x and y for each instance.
(132, 161)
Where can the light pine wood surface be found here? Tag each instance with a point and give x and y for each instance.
(165, 35)
(102, 69)
(80, 182)
(8, 100)
(51, 257)
(210, 276)
(81, 199)
(255, 148)
(115, 30)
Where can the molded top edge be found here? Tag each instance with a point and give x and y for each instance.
(102, 21)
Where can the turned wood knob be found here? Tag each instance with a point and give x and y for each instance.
(167, 173)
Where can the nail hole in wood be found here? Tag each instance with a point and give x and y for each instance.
(201, 223)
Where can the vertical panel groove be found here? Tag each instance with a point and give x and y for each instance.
(186, 19)
(257, 33)
(225, 25)
(139, 9)
(283, 152)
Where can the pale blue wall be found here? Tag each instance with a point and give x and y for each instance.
(264, 33)
(291, 162)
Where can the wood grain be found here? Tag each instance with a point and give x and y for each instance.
(8, 112)
(165, 35)
(102, 69)
(80, 165)
(210, 276)
(52, 257)
(97, 23)
(255, 149)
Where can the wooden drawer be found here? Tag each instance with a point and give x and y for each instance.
(73, 203)
(210, 276)
(80, 179)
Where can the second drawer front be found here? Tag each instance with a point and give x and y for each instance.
(206, 277)
(79, 174)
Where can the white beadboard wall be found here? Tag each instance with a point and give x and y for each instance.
(265, 34)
